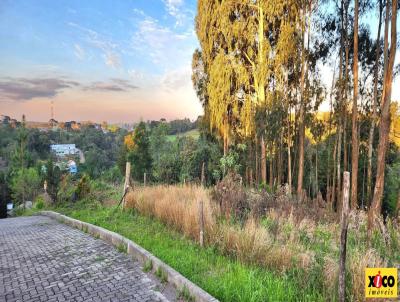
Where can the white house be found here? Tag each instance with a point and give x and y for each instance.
(64, 149)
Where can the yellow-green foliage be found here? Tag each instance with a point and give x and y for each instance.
(246, 48)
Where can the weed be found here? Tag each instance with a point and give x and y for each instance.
(184, 294)
(85, 229)
(121, 248)
(162, 275)
(99, 258)
(148, 266)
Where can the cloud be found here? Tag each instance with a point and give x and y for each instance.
(23, 89)
(176, 9)
(176, 79)
(164, 46)
(112, 59)
(136, 74)
(116, 85)
(109, 49)
(79, 52)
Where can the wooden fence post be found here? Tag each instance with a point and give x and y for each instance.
(201, 223)
(343, 236)
(203, 177)
(144, 179)
(127, 183)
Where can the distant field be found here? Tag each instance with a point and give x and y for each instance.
(192, 133)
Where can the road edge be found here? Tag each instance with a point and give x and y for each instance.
(137, 252)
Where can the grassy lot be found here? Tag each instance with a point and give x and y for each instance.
(192, 133)
(221, 276)
(276, 258)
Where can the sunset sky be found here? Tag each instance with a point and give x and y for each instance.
(117, 61)
(109, 60)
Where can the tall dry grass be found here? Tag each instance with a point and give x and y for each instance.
(177, 207)
(285, 238)
(277, 245)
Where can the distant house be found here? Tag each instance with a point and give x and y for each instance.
(5, 119)
(72, 167)
(63, 150)
(72, 125)
(53, 123)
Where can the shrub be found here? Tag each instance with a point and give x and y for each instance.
(83, 187)
(25, 185)
(39, 202)
(66, 191)
(231, 196)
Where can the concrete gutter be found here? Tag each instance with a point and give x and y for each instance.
(137, 252)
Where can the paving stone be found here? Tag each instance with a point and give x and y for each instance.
(43, 260)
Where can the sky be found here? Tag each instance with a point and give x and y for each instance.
(109, 60)
(114, 61)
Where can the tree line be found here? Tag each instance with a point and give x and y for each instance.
(258, 74)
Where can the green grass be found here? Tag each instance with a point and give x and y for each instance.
(223, 277)
(192, 133)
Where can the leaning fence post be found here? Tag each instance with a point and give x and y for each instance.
(201, 223)
(127, 181)
(203, 174)
(144, 179)
(343, 236)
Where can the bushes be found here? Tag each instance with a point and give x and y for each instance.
(39, 202)
(231, 197)
(83, 187)
(25, 185)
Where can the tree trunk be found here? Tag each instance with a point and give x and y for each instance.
(300, 174)
(345, 85)
(340, 106)
(338, 170)
(333, 188)
(328, 171)
(263, 162)
(271, 167)
(384, 126)
(289, 156)
(279, 170)
(374, 105)
(257, 165)
(354, 124)
(344, 222)
(225, 137)
(316, 169)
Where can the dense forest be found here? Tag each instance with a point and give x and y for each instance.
(258, 74)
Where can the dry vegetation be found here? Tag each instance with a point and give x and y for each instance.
(272, 231)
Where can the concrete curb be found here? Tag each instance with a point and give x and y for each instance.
(137, 252)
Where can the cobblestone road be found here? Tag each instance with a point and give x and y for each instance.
(43, 260)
